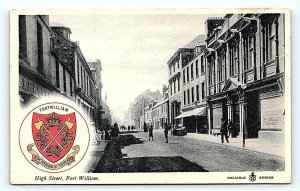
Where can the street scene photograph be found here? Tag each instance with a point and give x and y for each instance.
(162, 91)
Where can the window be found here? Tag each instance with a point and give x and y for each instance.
(269, 49)
(22, 35)
(78, 77)
(171, 88)
(170, 71)
(65, 80)
(81, 76)
(249, 52)
(178, 84)
(233, 60)
(187, 74)
(174, 68)
(193, 98)
(177, 65)
(192, 71)
(71, 86)
(221, 67)
(183, 74)
(202, 64)
(202, 91)
(197, 70)
(184, 98)
(210, 74)
(57, 74)
(188, 96)
(197, 92)
(174, 86)
(40, 47)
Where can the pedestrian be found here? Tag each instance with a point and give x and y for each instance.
(166, 130)
(98, 138)
(132, 127)
(151, 132)
(224, 131)
(128, 127)
(107, 136)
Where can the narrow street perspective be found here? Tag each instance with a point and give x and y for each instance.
(133, 152)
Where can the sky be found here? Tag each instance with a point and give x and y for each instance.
(133, 49)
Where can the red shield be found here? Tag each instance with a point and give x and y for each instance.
(53, 134)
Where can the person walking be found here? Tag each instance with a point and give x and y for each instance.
(151, 132)
(166, 131)
(224, 131)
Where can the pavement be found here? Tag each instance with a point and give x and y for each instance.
(207, 152)
(96, 153)
(268, 143)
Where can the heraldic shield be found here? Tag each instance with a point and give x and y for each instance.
(54, 134)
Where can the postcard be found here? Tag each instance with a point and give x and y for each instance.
(150, 96)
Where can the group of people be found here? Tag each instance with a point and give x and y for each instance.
(228, 129)
(107, 134)
(166, 131)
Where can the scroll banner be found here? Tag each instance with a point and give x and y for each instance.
(67, 161)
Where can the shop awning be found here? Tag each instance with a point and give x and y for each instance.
(201, 111)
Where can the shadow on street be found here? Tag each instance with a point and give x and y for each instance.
(113, 161)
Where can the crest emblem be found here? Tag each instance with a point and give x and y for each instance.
(53, 134)
(252, 177)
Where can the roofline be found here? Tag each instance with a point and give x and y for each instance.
(179, 50)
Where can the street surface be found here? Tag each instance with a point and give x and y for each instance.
(211, 156)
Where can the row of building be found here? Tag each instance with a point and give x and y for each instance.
(234, 71)
(51, 64)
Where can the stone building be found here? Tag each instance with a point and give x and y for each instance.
(96, 68)
(193, 92)
(82, 83)
(51, 64)
(36, 78)
(245, 73)
(175, 64)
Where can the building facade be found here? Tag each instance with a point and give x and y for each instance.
(175, 64)
(50, 64)
(35, 69)
(245, 73)
(193, 94)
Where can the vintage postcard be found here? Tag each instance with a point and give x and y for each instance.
(150, 96)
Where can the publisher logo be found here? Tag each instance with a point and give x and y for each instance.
(252, 177)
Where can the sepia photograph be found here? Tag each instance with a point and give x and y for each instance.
(151, 93)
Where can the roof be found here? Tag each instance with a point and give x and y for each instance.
(196, 41)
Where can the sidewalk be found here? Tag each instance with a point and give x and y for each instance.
(268, 143)
(95, 155)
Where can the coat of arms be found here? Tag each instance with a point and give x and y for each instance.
(54, 135)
